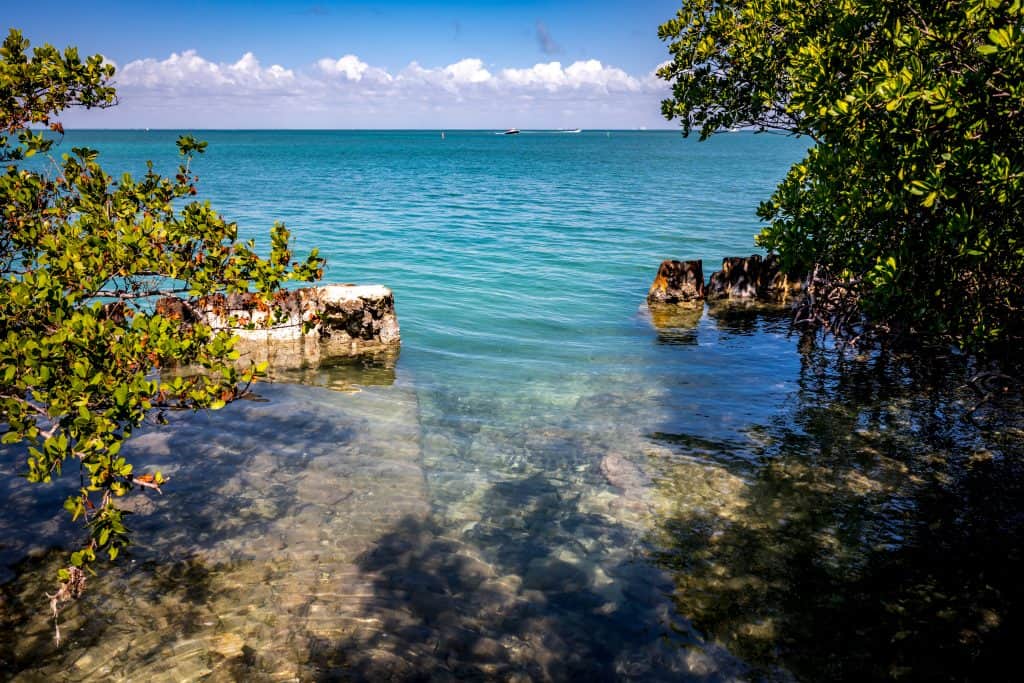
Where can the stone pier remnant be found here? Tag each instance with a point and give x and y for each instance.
(676, 282)
(752, 277)
(342, 321)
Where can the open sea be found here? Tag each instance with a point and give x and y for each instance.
(549, 481)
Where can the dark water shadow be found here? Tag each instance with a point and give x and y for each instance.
(745, 318)
(28, 648)
(245, 481)
(878, 533)
(231, 480)
(445, 609)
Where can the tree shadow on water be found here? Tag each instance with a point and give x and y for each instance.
(231, 482)
(877, 534)
(538, 590)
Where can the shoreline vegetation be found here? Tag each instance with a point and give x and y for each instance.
(907, 209)
(639, 526)
(83, 257)
(378, 130)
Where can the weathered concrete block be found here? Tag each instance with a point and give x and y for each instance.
(343, 320)
(739, 278)
(677, 281)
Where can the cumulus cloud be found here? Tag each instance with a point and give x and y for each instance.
(593, 72)
(552, 77)
(467, 71)
(454, 78)
(352, 68)
(191, 70)
(549, 76)
(347, 86)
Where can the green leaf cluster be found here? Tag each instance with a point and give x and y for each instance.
(912, 190)
(83, 256)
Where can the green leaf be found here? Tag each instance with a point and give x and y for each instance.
(78, 367)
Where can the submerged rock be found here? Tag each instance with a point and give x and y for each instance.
(752, 277)
(340, 320)
(623, 473)
(677, 281)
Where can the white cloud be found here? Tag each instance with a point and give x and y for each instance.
(467, 71)
(191, 70)
(590, 73)
(347, 91)
(452, 78)
(352, 68)
(593, 72)
(549, 76)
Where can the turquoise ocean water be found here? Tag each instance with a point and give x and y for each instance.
(519, 263)
(548, 483)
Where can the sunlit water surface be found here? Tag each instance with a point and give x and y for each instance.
(549, 482)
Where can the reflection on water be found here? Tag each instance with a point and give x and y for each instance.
(748, 317)
(729, 508)
(676, 323)
(343, 373)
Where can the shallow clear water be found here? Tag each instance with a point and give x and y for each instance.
(550, 481)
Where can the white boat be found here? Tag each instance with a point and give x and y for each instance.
(511, 131)
(569, 130)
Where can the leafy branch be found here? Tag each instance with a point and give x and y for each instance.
(83, 259)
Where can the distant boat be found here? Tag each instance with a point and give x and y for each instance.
(511, 131)
(569, 130)
(442, 135)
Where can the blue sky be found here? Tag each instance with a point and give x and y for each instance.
(367, 64)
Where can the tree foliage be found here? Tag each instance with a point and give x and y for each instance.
(911, 197)
(82, 258)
